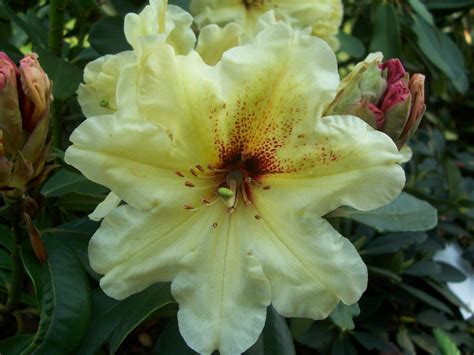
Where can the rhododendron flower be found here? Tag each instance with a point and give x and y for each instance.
(322, 16)
(227, 172)
(157, 22)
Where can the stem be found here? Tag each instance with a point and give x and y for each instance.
(55, 44)
(56, 26)
(16, 208)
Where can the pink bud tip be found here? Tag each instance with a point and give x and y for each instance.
(395, 70)
(378, 114)
(396, 93)
(8, 71)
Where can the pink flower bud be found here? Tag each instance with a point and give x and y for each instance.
(8, 72)
(379, 116)
(394, 70)
(36, 97)
(418, 107)
(396, 93)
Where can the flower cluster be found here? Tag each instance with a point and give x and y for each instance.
(25, 97)
(226, 163)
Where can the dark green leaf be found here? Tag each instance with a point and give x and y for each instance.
(79, 202)
(65, 181)
(405, 342)
(6, 237)
(434, 319)
(436, 270)
(391, 243)
(15, 345)
(386, 34)
(448, 4)
(342, 346)
(426, 298)
(351, 45)
(405, 214)
(117, 319)
(65, 75)
(318, 336)
(66, 303)
(107, 36)
(421, 10)
(372, 342)
(171, 342)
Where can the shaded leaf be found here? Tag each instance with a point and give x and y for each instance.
(65, 181)
(342, 315)
(386, 34)
(391, 243)
(107, 36)
(171, 342)
(426, 298)
(445, 343)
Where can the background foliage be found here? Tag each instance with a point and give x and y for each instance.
(407, 308)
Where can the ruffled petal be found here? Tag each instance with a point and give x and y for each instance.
(222, 292)
(213, 41)
(310, 266)
(97, 96)
(105, 207)
(136, 159)
(344, 162)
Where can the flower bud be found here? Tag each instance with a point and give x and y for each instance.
(382, 95)
(10, 116)
(24, 122)
(36, 97)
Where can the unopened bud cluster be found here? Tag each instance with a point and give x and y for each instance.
(383, 95)
(25, 98)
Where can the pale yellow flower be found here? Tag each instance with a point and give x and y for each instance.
(157, 22)
(322, 16)
(226, 172)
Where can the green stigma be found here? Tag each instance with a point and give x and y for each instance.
(225, 193)
(104, 103)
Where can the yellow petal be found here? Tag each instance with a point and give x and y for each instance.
(310, 266)
(222, 292)
(272, 89)
(135, 159)
(105, 207)
(135, 249)
(97, 96)
(213, 41)
(344, 162)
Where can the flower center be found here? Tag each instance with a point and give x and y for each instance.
(232, 184)
(253, 3)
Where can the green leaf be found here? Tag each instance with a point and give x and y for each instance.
(318, 336)
(342, 315)
(107, 36)
(34, 270)
(342, 346)
(392, 243)
(386, 33)
(454, 179)
(426, 298)
(16, 344)
(351, 45)
(117, 319)
(171, 342)
(79, 202)
(441, 51)
(65, 75)
(275, 339)
(445, 343)
(66, 305)
(433, 319)
(421, 10)
(436, 270)
(405, 214)
(6, 237)
(405, 342)
(371, 342)
(448, 4)
(65, 181)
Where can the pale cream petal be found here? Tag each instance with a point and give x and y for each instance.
(97, 96)
(271, 90)
(344, 162)
(222, 292)
(135, 249)
(137, 160)
(218, 12)
(181, 37)
(407, 153)
(105, 207)
(310, 266)
(214, 41)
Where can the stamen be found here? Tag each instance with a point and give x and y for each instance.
(205, 201)
(258, 217)
(188, 207)
(179, 173)
(189, 184)
(214, 225)
(267, 187)
(200, 168)
(192, 171)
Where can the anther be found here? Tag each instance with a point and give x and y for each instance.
(192, 171)
(200, 168)
(179, 173)
(189, 184)
(188, 207)
(266, 187)
(258, 217)
(210, 167)
(205, 200)
(214, 225)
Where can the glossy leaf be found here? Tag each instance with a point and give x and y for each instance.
(386, 34)
(391, 243)
(65, 181)
(342, 315)
(107, 36)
